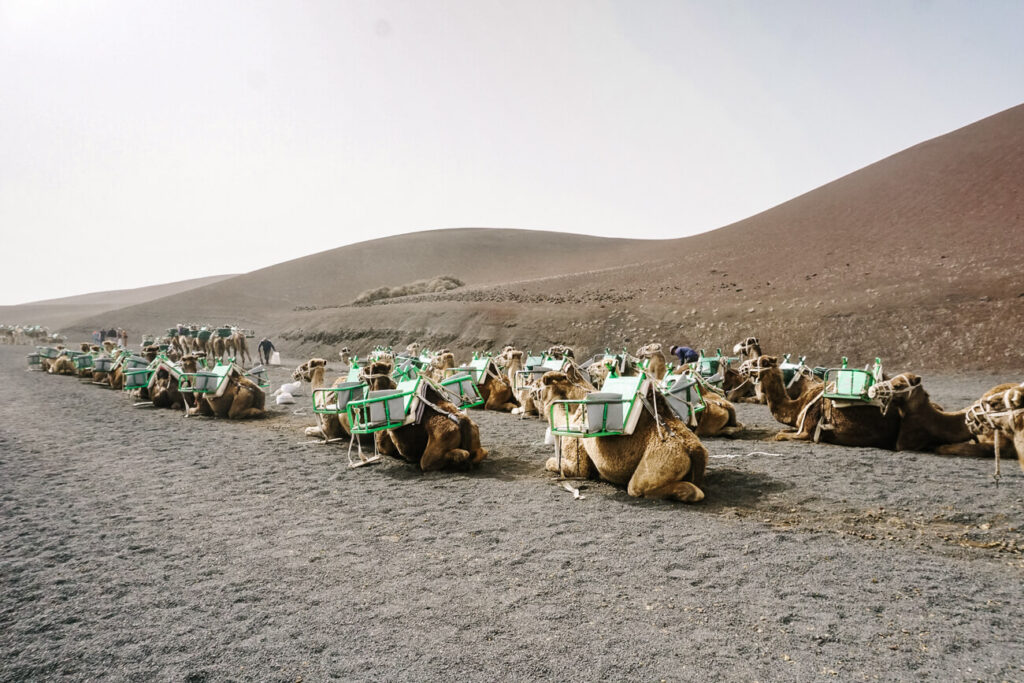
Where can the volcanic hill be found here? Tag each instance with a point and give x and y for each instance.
(915, 258)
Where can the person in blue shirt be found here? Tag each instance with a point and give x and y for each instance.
(685, 354)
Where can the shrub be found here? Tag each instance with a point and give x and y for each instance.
(441, 283)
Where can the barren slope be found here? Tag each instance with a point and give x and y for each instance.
(56, 313)
(915, 258)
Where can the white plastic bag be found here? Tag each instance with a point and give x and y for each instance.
(284, 399)
(275, 358)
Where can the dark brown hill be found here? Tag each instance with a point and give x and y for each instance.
(915, 258)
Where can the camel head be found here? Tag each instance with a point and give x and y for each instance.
(560, 351)
(652, 349)
(896, 391)
(755, 367)
(413, 349)
(345, 354)
(305, 371)
(747, 345)
(1013, 399)
(555, 386)
(190, 364)
(443, 360)
(84, 346)
(378, 375)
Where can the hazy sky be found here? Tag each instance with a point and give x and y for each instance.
(221, 136)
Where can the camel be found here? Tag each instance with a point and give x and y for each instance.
(496, 390)
(560, 351)
(660, 459)
(164, 390)
(328, 427)
(513, 364)
(63, 365)
(443, 437)
(718, 417)
(241, 347)
(817, 418)
(748, 349)
(924, 426)
(742, 389)
(656, 360)
(997, 419)
(529, 396)
(443, 361)
(240, 398)
(601, 368)
(219, 347)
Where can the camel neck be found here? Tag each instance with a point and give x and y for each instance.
(775, 391)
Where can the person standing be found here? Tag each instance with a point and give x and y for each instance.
(264, 349)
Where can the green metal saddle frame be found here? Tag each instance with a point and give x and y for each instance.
(382, 410)
(851, 384)
(335, 400)
(613, 411)
(709, 366)
(464, 390)
(205, 381)
(683, 395)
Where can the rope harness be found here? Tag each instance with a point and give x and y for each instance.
(984, 416)
(885, 392)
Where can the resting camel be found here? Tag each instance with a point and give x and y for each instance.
(656, 366)
(241, 399)
(85, 347)
(560, 351)
(924, 426)
(63, 365)
(443, 361)
(718, 417)
(164, 392)
(328, 426)
(513, 364)
(444, 437)
(817, 418)
(624, 366)
(660, 459)
(496, 390)
(743, 389)
(997, 419)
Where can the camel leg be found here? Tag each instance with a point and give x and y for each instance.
(660, 474)
(967, 449)
(438, 454)
(575, 461)
(793, 436)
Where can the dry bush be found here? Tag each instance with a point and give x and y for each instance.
(440, 283)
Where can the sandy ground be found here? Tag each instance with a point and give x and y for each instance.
(137, 545)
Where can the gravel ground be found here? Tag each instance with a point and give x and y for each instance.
(138, 545)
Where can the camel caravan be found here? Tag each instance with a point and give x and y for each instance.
(197, 374)
(634, 420)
